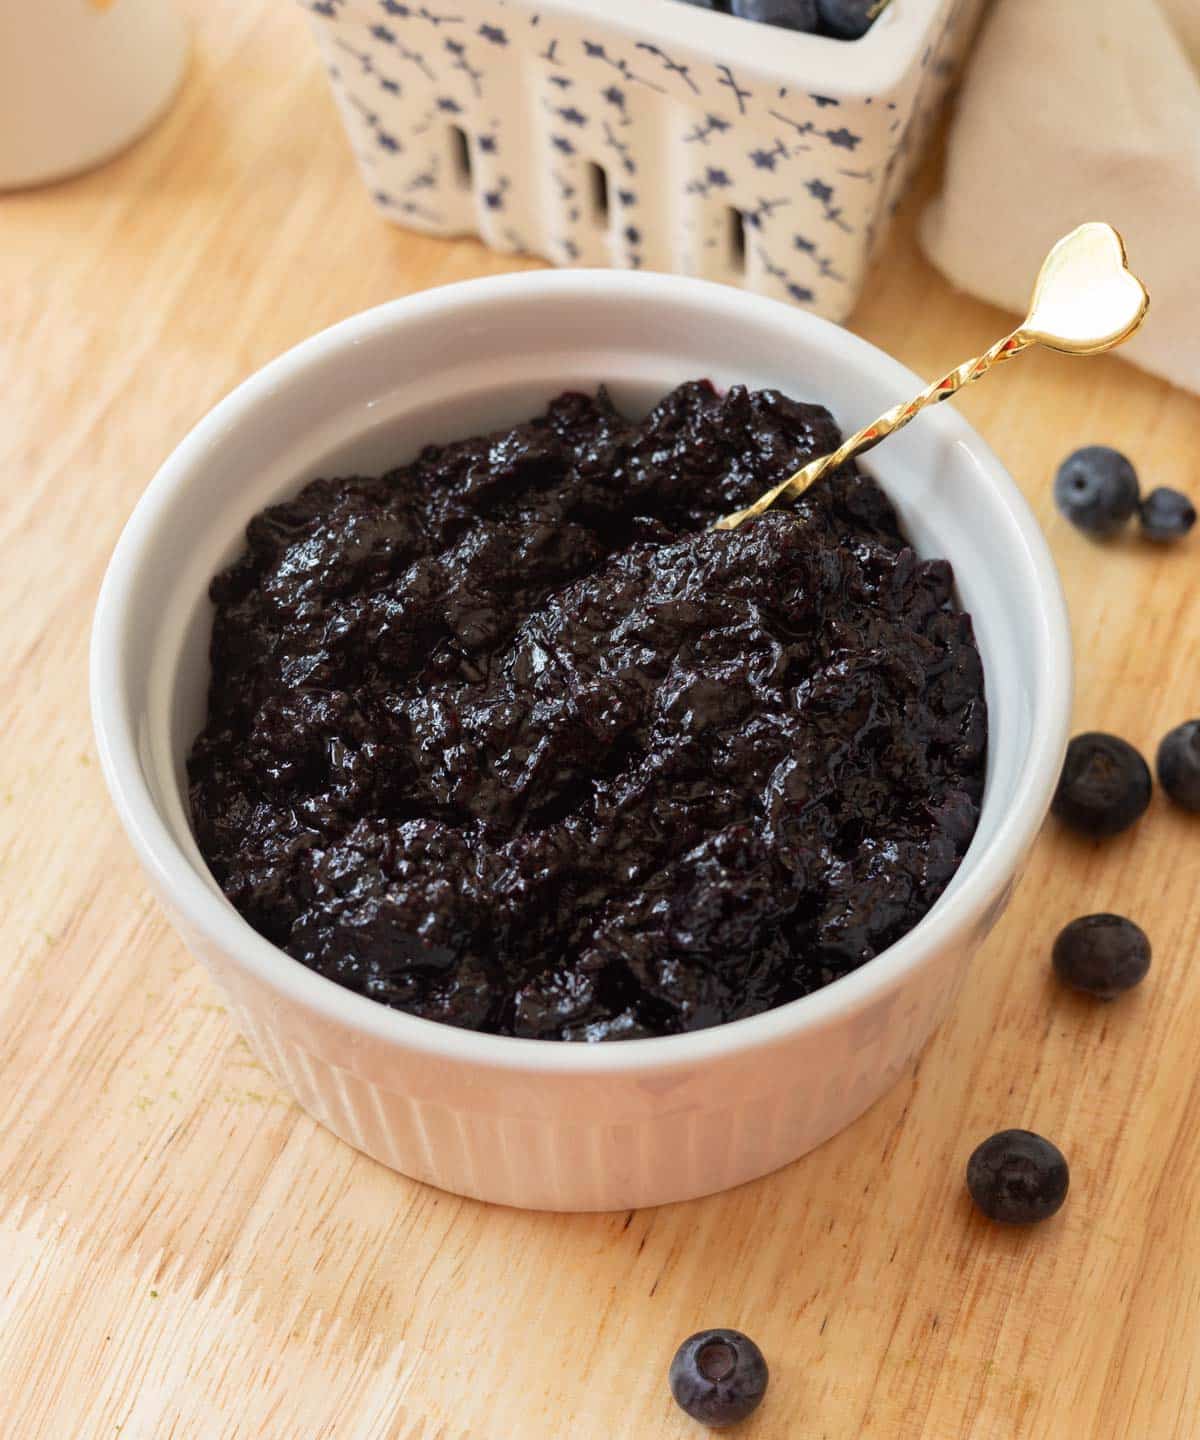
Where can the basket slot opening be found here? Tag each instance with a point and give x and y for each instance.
(598, 185)
(737, 239)
(461, 149)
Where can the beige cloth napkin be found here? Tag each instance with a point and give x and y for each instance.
(1076, 110)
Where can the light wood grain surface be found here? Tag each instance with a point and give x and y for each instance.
(183, 1253)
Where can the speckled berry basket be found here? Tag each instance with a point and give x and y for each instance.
(644, 133)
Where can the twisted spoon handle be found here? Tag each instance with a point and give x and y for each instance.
(895, 419)
(1086, 301)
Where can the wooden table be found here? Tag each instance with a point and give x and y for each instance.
(183, 1253)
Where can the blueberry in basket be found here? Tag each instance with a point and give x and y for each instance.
(786, 14)
(839, 19)
(509, 738)
(848, 19)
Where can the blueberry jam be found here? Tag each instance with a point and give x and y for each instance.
(509, 739)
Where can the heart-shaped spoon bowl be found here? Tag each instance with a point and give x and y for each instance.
(1086, 299)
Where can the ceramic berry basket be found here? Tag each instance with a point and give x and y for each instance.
(645, 134)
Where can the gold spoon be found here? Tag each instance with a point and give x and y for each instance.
(1085, 301)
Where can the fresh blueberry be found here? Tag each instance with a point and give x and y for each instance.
(718, 1377)
(788, 14)
(707, 4)
(1096, 489)
(1017, 1177)
(1179, 764)
(1166, 514)
(1104, 787)
(1102, 955)
(848, 19)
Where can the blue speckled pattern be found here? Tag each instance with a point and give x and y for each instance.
(574, 140)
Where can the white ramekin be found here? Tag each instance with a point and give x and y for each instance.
(526, 1122)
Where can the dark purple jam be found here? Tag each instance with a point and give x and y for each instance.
(508, 738)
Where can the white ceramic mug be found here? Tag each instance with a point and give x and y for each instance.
(80, 79)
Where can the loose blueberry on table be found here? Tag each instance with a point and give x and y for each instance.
(1178, 764)
(1096, 488)
(1104, 787)
(1102, 955)
(718, 1377)
(1017, 1177)
(1166, 514)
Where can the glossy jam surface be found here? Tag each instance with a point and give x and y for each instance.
(508, 739)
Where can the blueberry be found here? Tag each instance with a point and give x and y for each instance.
(1102, 955)
(1017, 1177)
(848, 19)
(1179, 764)
(1104, 787)
(788, 14)
(1096, 489)
(718, 1377)
(1166, 514)
(706, 4)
